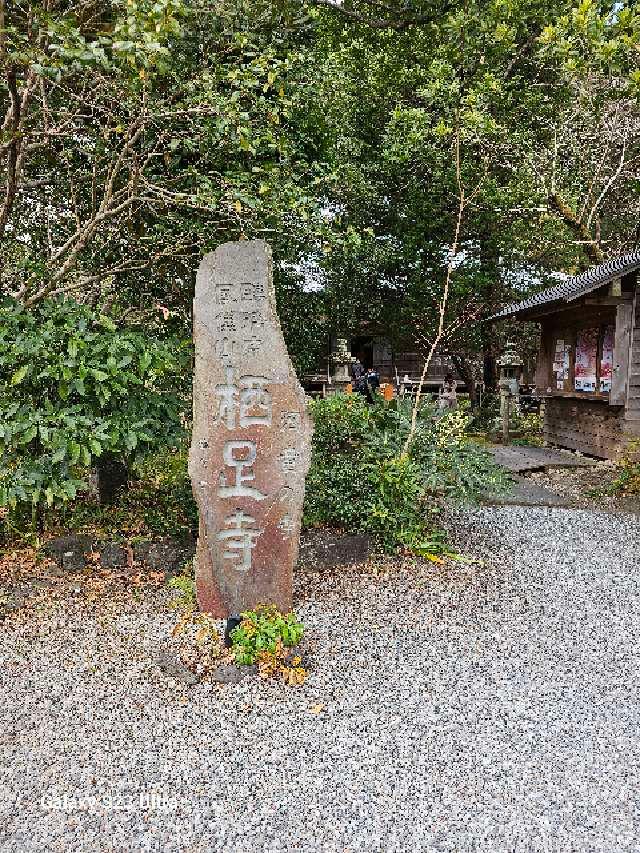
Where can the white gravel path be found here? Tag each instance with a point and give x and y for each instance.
(483, 708)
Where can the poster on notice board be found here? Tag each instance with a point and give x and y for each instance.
(606, 363)
(586, 360)
(561, 363)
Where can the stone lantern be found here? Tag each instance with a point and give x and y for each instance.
(341, 359)
(510, 365)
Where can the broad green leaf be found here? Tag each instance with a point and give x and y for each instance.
(19, 374)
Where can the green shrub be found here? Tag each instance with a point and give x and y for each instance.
(486, 416)
(453, 465)
(185, 587)
(627, 481)
(73, 386)
(264, 630)
(528, 428)
(159, 500)
(360, 481)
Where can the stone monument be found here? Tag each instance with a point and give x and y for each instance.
(251, 442)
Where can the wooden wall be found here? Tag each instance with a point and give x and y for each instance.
(590, 426)
(597, 423)
(633, 388)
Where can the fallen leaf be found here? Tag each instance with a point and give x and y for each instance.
(178, 628)
(202, 635)
(317, 709)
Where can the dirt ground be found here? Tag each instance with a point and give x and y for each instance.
(585, 488)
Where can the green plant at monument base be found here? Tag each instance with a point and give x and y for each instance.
(265, 637)
(185, 587)
(202, 646)
(74, 386)
(359, 480)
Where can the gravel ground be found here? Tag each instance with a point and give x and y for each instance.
(489, 707)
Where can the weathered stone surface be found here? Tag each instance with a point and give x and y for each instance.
(112, 555)
(229, 673)
(251, 435)
(172, 667)
(335, 549)
(12, 600)
(69, 551)
(168, 556)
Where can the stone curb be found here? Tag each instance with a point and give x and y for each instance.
(69, 553)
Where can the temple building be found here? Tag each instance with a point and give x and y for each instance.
(588, 367)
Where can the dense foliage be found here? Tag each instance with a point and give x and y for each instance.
(74, 386)
(158, 501)
(362, 139)
(516, 123)
(360, 481)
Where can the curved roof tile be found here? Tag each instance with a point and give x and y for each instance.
(579, 285)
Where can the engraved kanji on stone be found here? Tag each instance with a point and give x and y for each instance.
(246, 291)
(227, 323)
(228, 394)
(243, 471)
(239, 539)
(290, 420)
(225, 348)
(252, 321)
(255, 402)
(248, 403)
(289, 459)
(286, 494)
(286, 525)
(224, 294)
(251, 346)
(247, 463)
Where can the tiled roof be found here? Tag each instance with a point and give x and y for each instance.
(574, 288)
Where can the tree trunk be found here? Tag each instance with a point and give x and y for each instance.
(112, 476)
(466, 372)
(490, 279)
(488, 359)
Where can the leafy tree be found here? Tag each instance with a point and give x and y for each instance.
(139, 134)
(402, 85)
(74, 388)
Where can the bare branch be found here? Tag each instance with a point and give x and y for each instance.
(612, 180)
(453, 251)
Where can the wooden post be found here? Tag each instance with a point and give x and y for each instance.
(620, 372)
(545, 358)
